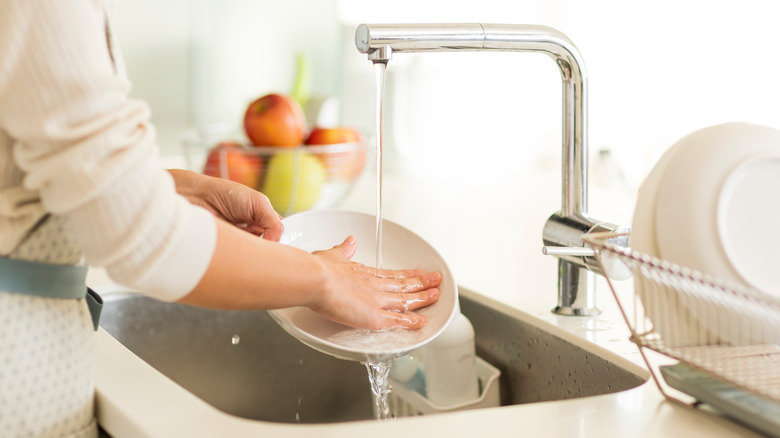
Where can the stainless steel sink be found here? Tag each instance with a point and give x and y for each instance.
(244, 364)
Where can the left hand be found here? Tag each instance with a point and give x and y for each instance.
(233, 202)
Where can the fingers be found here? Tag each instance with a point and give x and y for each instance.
(241, 206)
(344, 250)
(266, 217)
(347, 248)
(366, 297)
(405, 289)
(402, 302)
(273, 231)
(389, 319)
(409, 281)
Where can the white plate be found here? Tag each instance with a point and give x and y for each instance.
(690, 200)
(642, 236)
(748, 221)
(707, 206)
(402, 249)
(669, 319)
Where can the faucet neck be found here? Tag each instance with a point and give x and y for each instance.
(379, 41)
(564, 228)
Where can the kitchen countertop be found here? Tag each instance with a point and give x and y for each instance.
(489, 230)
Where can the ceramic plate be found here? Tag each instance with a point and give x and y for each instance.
(402, 249)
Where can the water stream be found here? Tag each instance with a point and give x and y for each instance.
(379, 71)
(379, 369)
(378, 373)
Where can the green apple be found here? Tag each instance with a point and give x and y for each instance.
(293, 181)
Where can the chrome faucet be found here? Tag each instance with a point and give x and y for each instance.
(562, 233)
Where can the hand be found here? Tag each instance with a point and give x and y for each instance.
(360, 296)
(236, 203)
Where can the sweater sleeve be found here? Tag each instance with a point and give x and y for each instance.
(90, 151)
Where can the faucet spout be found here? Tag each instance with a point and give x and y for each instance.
(576, 294)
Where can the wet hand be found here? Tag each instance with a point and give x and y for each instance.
(361, 296)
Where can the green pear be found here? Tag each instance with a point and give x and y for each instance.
(293, 181)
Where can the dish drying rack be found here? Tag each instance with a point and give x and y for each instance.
(724, 336)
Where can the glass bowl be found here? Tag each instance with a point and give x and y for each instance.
(295, 179)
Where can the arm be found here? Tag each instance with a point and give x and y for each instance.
(89, 154)
(249, 273)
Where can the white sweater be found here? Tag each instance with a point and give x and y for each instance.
(72, 144)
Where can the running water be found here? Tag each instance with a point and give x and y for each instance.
(379, 71)
(379, 369)
(378, 373)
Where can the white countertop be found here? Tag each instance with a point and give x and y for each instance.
(489, 230)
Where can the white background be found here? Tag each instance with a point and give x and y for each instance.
(657, 71)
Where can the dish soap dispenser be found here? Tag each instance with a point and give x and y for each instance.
(451, 366)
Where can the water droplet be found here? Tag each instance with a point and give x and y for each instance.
(235, 340)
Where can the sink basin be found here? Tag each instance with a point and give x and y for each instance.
(537, 365)
(244, 364)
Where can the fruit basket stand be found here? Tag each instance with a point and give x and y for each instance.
(709, 345)
(294, 178)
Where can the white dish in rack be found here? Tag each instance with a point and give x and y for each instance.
(715, 209)
(707, 206)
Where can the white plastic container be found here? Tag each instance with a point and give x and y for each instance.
(450, 365)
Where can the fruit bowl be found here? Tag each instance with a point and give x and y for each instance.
(295, 178)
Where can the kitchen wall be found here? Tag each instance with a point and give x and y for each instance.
(657, 70)
(201, 62)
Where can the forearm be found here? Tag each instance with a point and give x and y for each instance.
(246, 272)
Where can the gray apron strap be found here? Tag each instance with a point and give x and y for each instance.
(95, 305)
(49, 281)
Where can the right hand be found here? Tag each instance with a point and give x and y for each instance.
(235, 203)
(361, 296)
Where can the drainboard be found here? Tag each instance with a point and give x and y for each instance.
(244, 364)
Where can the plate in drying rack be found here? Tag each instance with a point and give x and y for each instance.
(729, 356)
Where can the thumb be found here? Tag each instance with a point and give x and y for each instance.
(347, 248)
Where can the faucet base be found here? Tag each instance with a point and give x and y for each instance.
(576, 291)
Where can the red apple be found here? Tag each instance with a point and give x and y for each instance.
(275, 120)
(341, 165)
(229, 160)
(333, 136)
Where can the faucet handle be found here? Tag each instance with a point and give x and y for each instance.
(615, 269)
(573, 251)
(562, 238)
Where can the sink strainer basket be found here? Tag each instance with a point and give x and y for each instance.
(718, 342)
(407, 401)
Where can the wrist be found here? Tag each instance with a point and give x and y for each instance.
(318, 286)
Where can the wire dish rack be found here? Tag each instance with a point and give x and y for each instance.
(723, 333)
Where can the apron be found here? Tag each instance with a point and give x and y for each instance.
(47, 327)
(47, 344)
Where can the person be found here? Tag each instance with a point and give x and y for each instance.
(80, 184)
